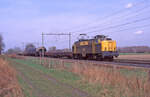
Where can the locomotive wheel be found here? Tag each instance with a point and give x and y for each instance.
(111, 58)
(76, 56)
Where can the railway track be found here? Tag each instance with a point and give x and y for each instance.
(121, 62)
(136, 63)
(132, 61)
(118, 62)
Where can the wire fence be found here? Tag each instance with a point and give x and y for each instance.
(68, 64)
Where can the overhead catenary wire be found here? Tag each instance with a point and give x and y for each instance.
(135, 27)
(109, 16)
(125, 18)
(58, 34)
(123, 24)
(117, 31)
(119, 25)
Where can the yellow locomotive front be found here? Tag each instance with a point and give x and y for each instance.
(108, 45)
(109, 49)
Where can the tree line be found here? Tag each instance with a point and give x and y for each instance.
(134, 49)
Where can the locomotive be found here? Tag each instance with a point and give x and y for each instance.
(100, 47)
(40, 51)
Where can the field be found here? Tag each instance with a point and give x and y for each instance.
(58, 78)
(135, 57)
(9, 86)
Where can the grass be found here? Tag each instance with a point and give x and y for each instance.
(59, 74)
(25, 88)
(114, 83)
(98, 81)
(64, 76)
(134, 53)
(135, 57)
(44, 85)
(137, 72)
(9, 86)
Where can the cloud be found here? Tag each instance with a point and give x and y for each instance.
(139, 32)
(129, 5)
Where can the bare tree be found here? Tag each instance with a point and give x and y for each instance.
(1, 44)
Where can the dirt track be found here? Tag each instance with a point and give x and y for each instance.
(43, 85)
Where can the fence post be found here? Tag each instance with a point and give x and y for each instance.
(149, 75)
(40, 60)
(63, 64)
(114, 67)
(37, 60)
(49, 64)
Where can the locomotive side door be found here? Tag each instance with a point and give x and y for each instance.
(84, 46)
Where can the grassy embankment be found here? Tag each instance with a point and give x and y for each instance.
(97, 81)
(9, 86)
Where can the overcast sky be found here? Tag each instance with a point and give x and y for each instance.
(25, 20)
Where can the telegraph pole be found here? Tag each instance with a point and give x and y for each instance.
(23, 46)
(42, 39)
(70, 41)
(43, 44)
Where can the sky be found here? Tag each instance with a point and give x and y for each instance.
(23, 21)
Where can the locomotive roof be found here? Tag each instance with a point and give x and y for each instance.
(101, 37)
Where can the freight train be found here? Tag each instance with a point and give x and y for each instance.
(98, 48)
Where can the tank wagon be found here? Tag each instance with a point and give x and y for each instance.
(99, 48)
